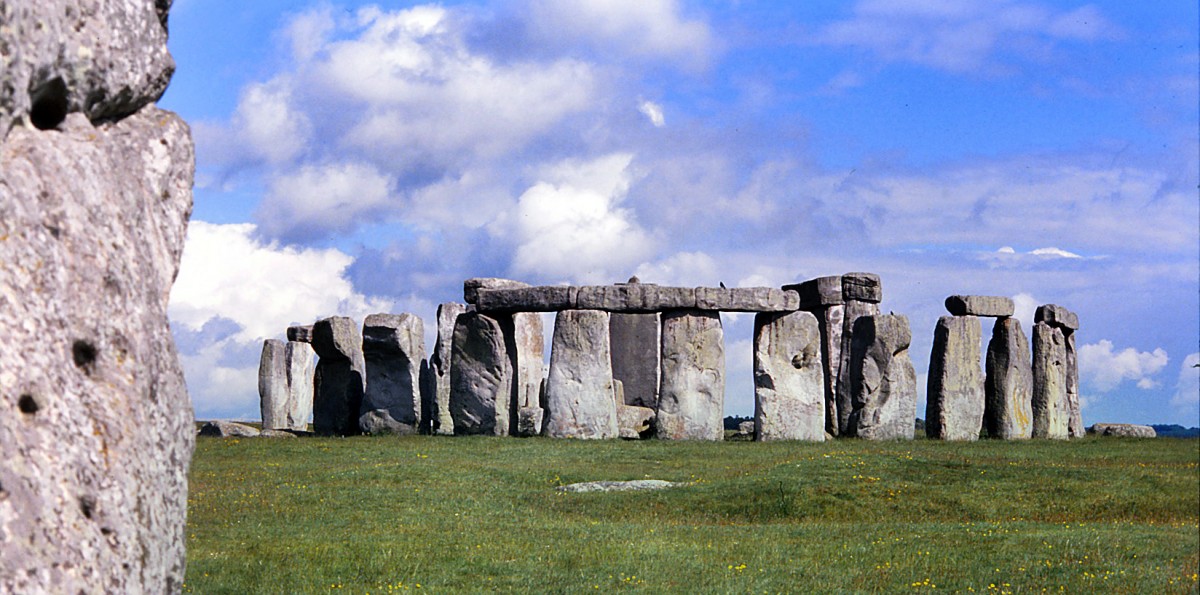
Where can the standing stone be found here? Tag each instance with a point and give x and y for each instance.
(1051, 411)
(789, 389)
(302, 334)
(580, 397)
(285, 381)
(691, 400)
(954, 399)
(1075, 428)
(393, 349)
(882, 379)
(481, 376)
(1008, 383)
(525, 351)
(439, 367)
(854, 309)
(635, 353)
(823, 297)
(340, 379)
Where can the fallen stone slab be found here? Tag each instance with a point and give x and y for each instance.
(228, 429)
(471, 287)
(818, 293)
(863, 287)
(1057, 316)
(980, 305)
(379, 422)
(637, 485)
(1123, 430)
(277, 434)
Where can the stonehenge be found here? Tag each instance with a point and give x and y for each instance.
(636, 360)
(285, 386)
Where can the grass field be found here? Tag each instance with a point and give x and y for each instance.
(381, 515)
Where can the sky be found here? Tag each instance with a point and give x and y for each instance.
(355, 158)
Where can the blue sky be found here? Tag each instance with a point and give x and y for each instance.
(356, 158)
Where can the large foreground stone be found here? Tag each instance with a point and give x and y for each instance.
(481, 376)
(691, 401)
(285, 385)
(980, 305)
(340, 378)
(634, 340)
(882, 379)
(95, 422)
(580, 398)
(439, 369)
(393, 349)
(789, 388)
(1051, 411)
(1008, 383)
(954, 398)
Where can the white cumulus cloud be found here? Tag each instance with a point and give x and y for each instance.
(1187, 388)
(323, 198)
(638, 28)
(653, 112)
(1104, 369)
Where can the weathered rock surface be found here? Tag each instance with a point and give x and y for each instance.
(818, 293)
(340, 377)
(481, 376)
(980, 305)
(439, 368)
(285, 385)
(580, 398)
(528, 362)
(635, 423)
(634, 340)
(746, 429)
(863, 287)
(831, 322)
(530, 421)
(471, 287)
(620, 486)
(227, 429)
(379, 422)
(393, 348)
(105, 60)
(95, 422)
(635, 297)
(954, 398)
(1051, 412)
(302, 334)
(277, 434)
(746, 299)
(1123, 430)
(547, 298)
(852, 311)
(691, 402)
(1008, 383)
(1075, 428)
(1056, 316)
(882, 379)
(789, 388)
(632, 297)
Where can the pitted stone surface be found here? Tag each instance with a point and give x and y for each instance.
(95, 421)
(1008, 383)
(980, 305)
(634, 340)
(789, 389)
(954, 398)
(439, 368)
(1057, 316)
(340, 378)
(635, 423)
(620, 486)
(393, 348)
(863, 287)
(818, 293)
(379, 422)
(882, 379)
(1051, 411)
(852, 311)
(691, 401)
(472, 287)
(530, 421)
(481, 376)
(580, 398)
(285, 385)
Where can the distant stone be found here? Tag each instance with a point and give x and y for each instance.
(530, 421)
(620, 486)
(851, 312)
(439, 368)
(228, 429)
(302, 334)
(818, 293)
(481, 376)
(882, 379)
(580, 399)
(1075, 428)
(393, 348)
(980, 305)
(635, 423)
(340, 377)
(692, 399)
(955, 399)
(285, 385)
(1051, 411)
(1057, 316)
(1123, 430)
(527, 299)
(746, 299)
(379, 422)
(276, 434)
(863, 287)
(746, 428)
(1008, 383)
(634, 340)
(472, 286)
(789, 385)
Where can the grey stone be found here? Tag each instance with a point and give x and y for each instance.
(551, 298)
(228, 429)
(746, 299)
(393, 348)
(691, 401)
(481, 376)
(830, 321)
(864, 287)
(379, 422)
(285, 385)
(882, 379)
(439, 368)
(302, 334)
(580, 398)
(103, 59)
(95, 422)
(954, 398)
(1057, 316)
(980, 305)
(818, 293)
(1075, 428)
(620, 486)
(634, 340)
(277, 434)
(746, 428)
(528, 362)
(789, 388)
(1123, 430)
(530, 421)
(1051, 411)
(852, 311)
(472, 286)
(635, 423)
(1008, 383)
(340, 377)
(635, 297)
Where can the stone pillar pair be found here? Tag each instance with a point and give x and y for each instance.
(1056, 411)
(285, 384)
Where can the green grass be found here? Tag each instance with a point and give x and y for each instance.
(382, 515)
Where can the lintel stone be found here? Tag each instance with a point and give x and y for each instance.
(980, 305)
(1055, 315)
(863, 287)
(818, 293)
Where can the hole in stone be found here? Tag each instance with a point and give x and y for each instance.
(27, 404)
(87, 505)
(49, 107)
(84, 354)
